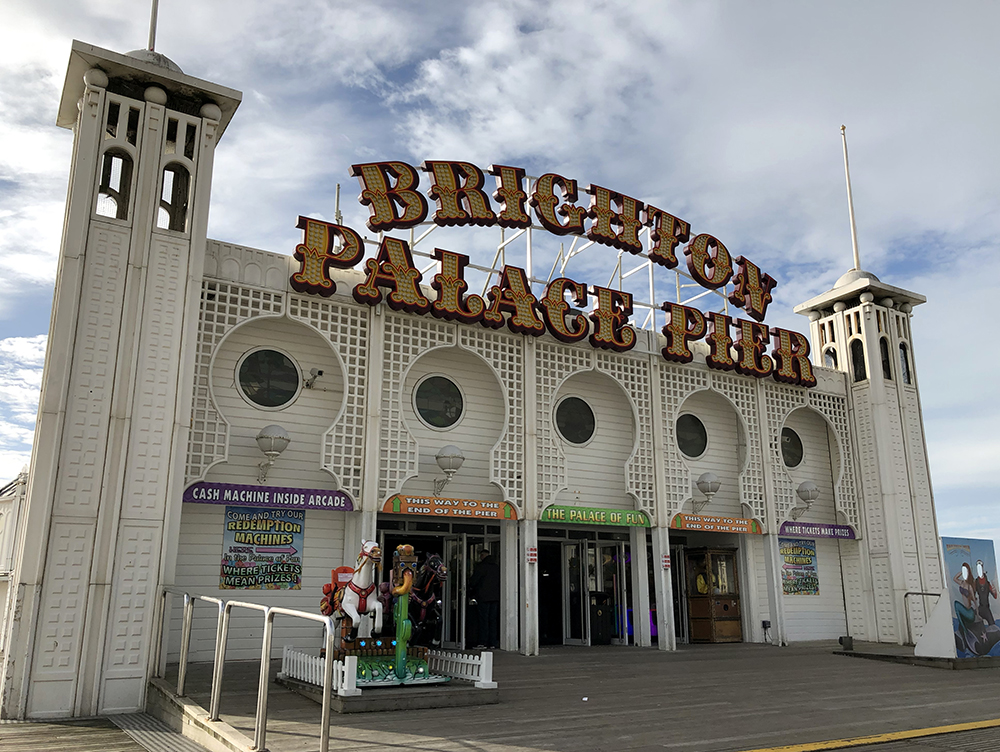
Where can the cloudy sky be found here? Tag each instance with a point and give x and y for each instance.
(726, 114)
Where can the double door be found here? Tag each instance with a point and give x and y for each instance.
(459, 619)
(594, 593)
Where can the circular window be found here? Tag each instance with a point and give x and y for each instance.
(575, 420)
(692, 438)
(268, 378)
(438, 401)
(791, 447)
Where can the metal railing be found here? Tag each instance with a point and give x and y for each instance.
(906, 608)
(225, 609)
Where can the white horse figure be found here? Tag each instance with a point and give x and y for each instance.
(359, 596)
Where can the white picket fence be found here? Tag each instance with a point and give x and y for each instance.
(471, 667)
(295, 664)
(309, 669)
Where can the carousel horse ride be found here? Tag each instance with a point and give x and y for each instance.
(425, 600)
(384, 661)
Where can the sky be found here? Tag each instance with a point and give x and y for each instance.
(726, 114)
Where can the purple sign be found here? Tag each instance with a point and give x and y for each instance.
(268, 497)
(818, 530)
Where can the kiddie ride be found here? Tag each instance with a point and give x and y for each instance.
(382, 660)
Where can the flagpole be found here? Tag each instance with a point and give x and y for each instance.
(850, 200)
(152, 26)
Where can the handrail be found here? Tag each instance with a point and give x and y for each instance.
(906, 608)
(221, 640)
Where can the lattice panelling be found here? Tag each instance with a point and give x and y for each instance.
(676, 385)
(633, 375)
(553, 364)
(506, 355)
(834, 408)
(779, 401)
(138, 554)
(742, 393)
(406, 339)
(346, 327)
(223, 306)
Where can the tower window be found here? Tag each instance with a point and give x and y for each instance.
(830, 358)
(858, 360)
(904, 364)
(174, 199)
(116, 182)
(883, 349)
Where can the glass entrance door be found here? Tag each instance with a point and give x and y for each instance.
(454, 601)
(607, 593)
(575, 631)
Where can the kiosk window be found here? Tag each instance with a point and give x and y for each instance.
(692, 438)
(268, 378)
(575, 420)
(438, 401)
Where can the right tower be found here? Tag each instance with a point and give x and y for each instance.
(862, 327)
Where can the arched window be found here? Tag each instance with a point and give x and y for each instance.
(858, 360)
(904, 363)
(174, 199)
(883, 350)
(116, 182)
(830, 358)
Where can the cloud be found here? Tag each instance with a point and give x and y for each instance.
(21, 360)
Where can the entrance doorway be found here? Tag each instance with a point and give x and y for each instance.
(459, 546)
(584, 592)
(713, 595)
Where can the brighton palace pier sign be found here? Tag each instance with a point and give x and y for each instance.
(390, 190)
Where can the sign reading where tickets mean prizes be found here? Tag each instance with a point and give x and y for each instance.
(262, 549)
(593, 516)
(432, 506)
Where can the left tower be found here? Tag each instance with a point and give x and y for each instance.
(106, 472)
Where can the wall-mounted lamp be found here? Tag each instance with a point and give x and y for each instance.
(314, 374)
(807, 492)
(708, 484)
(272, 441)
(449, 459)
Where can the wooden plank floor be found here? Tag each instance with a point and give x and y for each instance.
(90, 735)
(709, 698)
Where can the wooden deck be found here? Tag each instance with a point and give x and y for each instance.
(91, 735)
(700, 699)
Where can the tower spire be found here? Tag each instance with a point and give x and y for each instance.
(850, 199)
(152, 26)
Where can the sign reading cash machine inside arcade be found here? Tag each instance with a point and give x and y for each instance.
(392, 192)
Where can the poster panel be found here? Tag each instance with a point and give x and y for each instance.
(799, 570)
(262, 549)
(970, 565)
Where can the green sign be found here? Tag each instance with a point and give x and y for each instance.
(591, 516)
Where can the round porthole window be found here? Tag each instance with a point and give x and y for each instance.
(692, 438)
(439, 402)
(268, 378)
(791, 448)
(575, 420)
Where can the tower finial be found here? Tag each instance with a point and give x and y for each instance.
(850, 200)
(152, 26)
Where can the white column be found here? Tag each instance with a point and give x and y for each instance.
(640, 587)
(772, 556)
(509, 562)
(665, 627)
(529, 587)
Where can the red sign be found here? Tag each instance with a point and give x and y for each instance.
(431, 506)
(666, 561)
(531, 554)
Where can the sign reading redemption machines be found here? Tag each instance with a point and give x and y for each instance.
(261, 549)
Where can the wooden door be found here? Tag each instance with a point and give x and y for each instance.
(713, 596)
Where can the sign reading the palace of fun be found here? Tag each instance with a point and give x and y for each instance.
(591, 516)
(391, 192)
